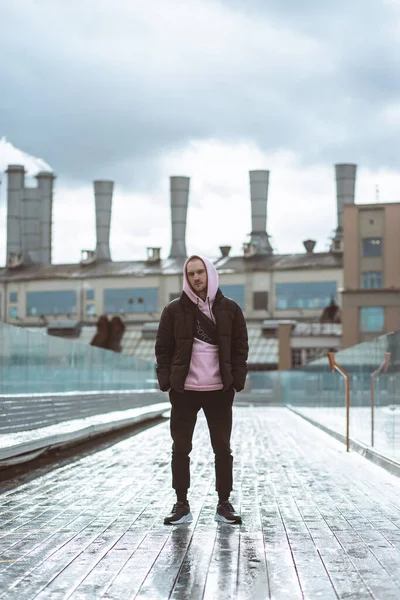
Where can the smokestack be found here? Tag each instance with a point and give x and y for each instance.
(15, 186)
(103, 193)
(345, 190)
(45, 182)
(179, 187)
(30, 224)
(259, 181)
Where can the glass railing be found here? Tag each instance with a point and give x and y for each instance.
(319, 394)
(32, 362)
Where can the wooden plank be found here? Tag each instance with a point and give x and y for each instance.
(317, 522)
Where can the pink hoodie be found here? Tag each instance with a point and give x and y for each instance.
(204, 374)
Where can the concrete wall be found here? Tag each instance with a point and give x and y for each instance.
(285, 350)
(350, 323)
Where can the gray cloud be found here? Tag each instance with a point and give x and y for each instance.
(97, 97)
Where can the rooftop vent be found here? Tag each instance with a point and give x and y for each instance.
(153, 255)
(249, 249)
(14, 259)
(88, 257)
(225, 250)
(309, 245)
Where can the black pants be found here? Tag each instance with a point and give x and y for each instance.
(217, 407)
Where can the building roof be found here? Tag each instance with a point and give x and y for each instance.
(169, 266)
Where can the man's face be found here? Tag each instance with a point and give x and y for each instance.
(197, 276)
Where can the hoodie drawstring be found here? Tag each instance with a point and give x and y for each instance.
(211, 313)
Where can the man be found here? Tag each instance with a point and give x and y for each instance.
(201, 351)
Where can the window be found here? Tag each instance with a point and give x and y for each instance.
(139, 300)
(13, 297)
(297, 359)
(89, 294)
(311, 295)
(372, 246)
(13, 312)
(371, 280)
(51, 303)
(372, 319)
(235, 292)
(90, 309)
(260, 301)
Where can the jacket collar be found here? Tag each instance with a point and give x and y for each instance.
(185, 300)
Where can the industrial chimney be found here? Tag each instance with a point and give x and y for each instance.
(30, 224)
(259, 238)
(15, 186)
(45, 184)
(179, 187)
(345, 192)
(103, 193)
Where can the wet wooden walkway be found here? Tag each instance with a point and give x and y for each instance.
(318, 523)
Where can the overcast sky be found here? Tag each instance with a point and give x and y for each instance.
(138, 90)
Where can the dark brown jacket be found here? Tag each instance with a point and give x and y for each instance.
(175, 340)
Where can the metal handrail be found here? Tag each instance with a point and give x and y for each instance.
(334, 366)
(383, 367)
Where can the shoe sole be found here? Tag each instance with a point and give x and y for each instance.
(186, 519)
(222, 519)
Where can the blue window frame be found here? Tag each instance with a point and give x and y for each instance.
(13, 297)
(89, 294)
(372, 319)
(138, 300)
(371, 280)
(235, 292)
(305, 295)
(372, 246)
(61, 302)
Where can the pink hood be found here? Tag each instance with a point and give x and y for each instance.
(212, 276)
(204, 373)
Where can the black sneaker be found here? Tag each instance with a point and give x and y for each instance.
(180, 514)
(226, 513)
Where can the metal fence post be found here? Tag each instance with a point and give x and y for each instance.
(383, 367)
(334, 366)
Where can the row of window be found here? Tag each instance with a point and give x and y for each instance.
(288, 296)
(146, 300)
(372, 318)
